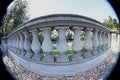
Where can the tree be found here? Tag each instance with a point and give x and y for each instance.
(16, 15)
(69, 34)
(112, 23)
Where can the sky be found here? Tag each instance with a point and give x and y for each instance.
(96, 9)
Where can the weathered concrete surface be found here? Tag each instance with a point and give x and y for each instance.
(60, 70)
(93, 74)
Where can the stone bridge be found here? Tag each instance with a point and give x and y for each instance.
(92, 42)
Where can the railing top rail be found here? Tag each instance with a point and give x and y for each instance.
(60, 17)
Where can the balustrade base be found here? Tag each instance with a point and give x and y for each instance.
(95, 52)
(18, 51)
(62, 58)
(63, 69)
(22, 53)
(87, 54)
(29, 54)
(48, 58)
(104, 48)
(76, 57)
(37, 56)
(100, 50)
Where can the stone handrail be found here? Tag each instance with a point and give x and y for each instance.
(24, 44)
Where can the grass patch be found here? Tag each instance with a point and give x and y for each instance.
(69, 52)
(55, 52)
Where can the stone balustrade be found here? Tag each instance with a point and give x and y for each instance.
(25, 46)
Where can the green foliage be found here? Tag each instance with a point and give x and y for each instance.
(69, 34)
(1, 34)
(69, 52)
(112, 23)
(16, 15)
(54, 37)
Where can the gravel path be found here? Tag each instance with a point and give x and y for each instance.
(94, 74)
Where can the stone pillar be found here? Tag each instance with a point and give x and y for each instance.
(35, 46)
(104, 41)
(17, 44)
(108, 39)
(12, 41)
(77, 44)
(100, 41)
(95, 42)
(21, 45)
(47, 45)
(62, 45)
(14, 44)
(88, 43)
(27, 45)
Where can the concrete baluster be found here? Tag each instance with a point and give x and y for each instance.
(47, 45)
(17, 44)
(27, 45)
(95, 42)
(35, 46)
(21, 46)
(62, 45)
(77, 44)
(88, 43)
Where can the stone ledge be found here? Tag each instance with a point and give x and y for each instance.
(60, 70)
(93, 74)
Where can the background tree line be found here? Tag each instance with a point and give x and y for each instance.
(112, 23)
(16, 15)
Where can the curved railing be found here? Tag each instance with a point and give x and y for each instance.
(89, 46)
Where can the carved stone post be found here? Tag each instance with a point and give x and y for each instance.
(62, 45)
(35, 46)
(104, 41)
(21, 45)
(95, 41)
(100, 42)
(88, 43)
(15, 40)
(108, 39)
(27, 45)
(18, 51)
(12, 43)
(17, 44)
(47, 45)
(77, 44)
